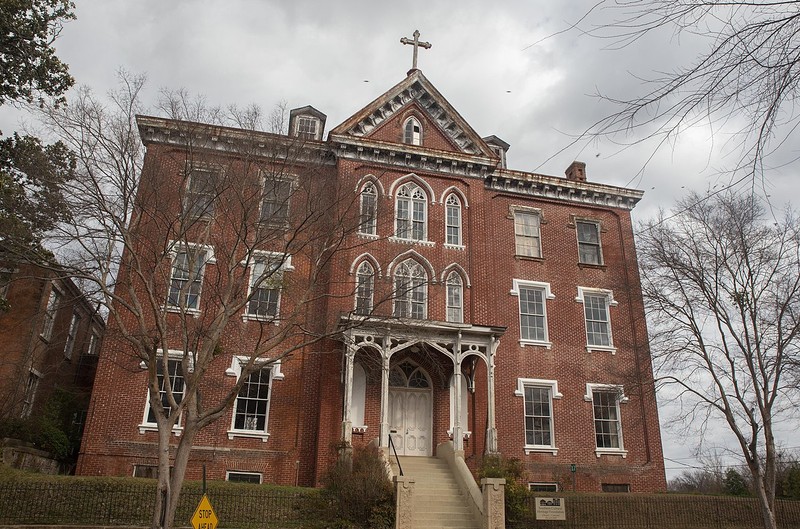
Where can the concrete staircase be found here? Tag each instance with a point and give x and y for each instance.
(437, 500)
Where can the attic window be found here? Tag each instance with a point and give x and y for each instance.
(307, 127)
(412, 132)
(501, 153)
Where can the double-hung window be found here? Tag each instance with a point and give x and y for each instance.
(605, 399)
(369, 210)
(307, 127)
(589, 249)
(72, 335)
(201, 191)
(453, 221)
(251, 408)
(455, 298)
(50, 311)
(170, 381)
(533, 296)
(410, 290)
(186, 278)
(365, 288)
(411, 222)
(275, 200)
(596, 305)
(31, 385)
(266, 284)
(538, 398)
(527, 233)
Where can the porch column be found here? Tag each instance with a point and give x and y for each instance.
(347, 421)
(384, 441)
(458, 436)
(491, 429)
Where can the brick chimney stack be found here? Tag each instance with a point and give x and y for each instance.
(576, 171)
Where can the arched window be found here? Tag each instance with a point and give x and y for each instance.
(410, 290)
(412, 132)
(365, 288)
(411, 212)
(369, 210)
(455, 298)
(408, 375)
(453, 220)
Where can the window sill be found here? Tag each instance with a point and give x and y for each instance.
(611, 452)
(195, 313)
(601, 349)
(455, 246)
(533, 343)
(264, 319)
(529, 258)
(412, 241)
(372, 236)
(592, 266)
(540, 449)
(45, 339)
(150, 427)
(254, 434)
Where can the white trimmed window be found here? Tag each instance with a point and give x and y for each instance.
(411, 211)
(186, 278)
(369, 210)
(412, 132)
(94, 341)
(589, 249)
(266, 284)
(453, 221)
(455, 298)
(307, 127)
(533, 296)
(527, 232)
(31, 385)
(596, 305)
(50, 311)
(410, 290)
(605, 399)
(365, 288)
(275, 200)
(173, 379)
(72, 335)
(200, 192)
(538, 398)
(251, 409)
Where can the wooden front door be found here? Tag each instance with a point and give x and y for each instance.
(410, 410)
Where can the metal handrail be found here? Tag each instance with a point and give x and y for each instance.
(396, 457)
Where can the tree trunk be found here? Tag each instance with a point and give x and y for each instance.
(163, 492)
(179, 471)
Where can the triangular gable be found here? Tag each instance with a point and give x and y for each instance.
(415, 91)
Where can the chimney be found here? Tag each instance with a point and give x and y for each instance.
(576, 171)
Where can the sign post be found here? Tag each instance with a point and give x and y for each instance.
(204, 516)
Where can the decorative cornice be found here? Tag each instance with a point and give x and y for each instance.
(562, 189)
(233, 141)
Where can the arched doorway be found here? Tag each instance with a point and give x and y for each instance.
(410, 409)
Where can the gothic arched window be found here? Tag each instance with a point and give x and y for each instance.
(411, 212)
(453, 220)
(365, 288)
(410, 290)
(412, 132)
(369, 210)
(455, 298)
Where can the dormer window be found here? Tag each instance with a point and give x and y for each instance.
(412, 132)
(307, 127)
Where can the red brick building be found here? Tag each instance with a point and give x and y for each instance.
(50, 335)
(495, 309)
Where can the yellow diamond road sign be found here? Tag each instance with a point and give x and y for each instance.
(204, 517)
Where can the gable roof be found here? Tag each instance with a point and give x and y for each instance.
(415, 88)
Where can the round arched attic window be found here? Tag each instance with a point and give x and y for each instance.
(412, 131)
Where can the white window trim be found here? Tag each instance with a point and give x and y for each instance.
(245, 472)
(292, 180)
(429, 199)
(421, 132)
(552, 385)
(513, 210)
(145, 426)
(599, 240)
(622, 399)
(286, 266)
(460, 208)
(609, 294)
(372, 290)
(374, 232)
(49, 323)
(548, 294)
(317, 123)
(72, 335)
(176, 247)
(235, 370)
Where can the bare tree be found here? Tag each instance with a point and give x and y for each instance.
(722, 290)
(744, 82)
(208, 220)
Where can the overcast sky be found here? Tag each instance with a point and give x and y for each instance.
(515, 69)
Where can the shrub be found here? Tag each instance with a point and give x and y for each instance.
(357, 493)
(516, 495)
